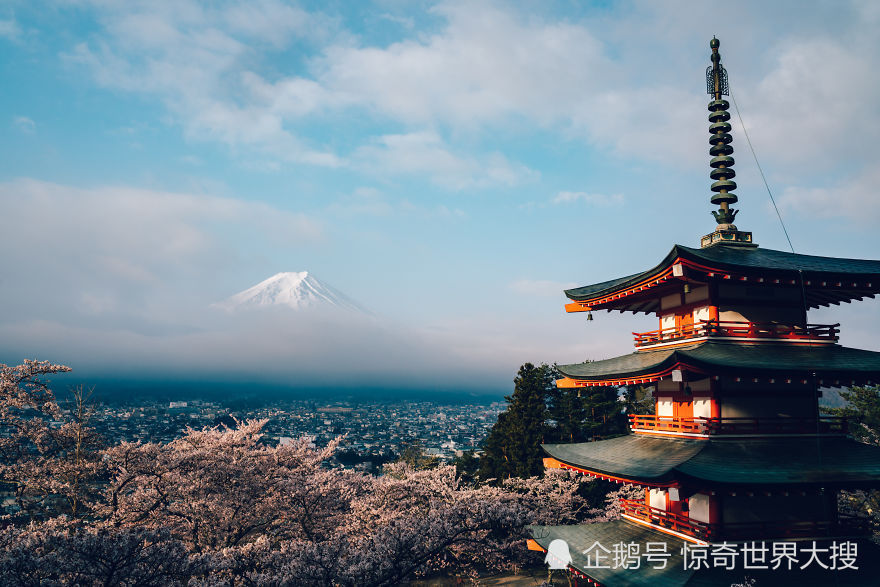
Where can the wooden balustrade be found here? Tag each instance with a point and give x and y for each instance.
(721, 426)
(670, 520)
(826, 333)
(663, 424)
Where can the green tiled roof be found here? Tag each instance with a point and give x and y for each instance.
(632, 456)
(751, 261)
(583, 538)
(732, 257)
(821, 461)
(825, 461)
(831, 361)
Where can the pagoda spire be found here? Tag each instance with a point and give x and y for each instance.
(721, 150)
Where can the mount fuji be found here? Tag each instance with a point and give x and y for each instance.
(296, 290)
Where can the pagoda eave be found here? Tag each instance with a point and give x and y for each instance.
(824, 280)
(724, 462)
(827, 365)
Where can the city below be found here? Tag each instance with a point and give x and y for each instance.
(373, 433)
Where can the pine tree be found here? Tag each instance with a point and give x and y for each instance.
(605, 415)
(863, 410)
(586, 413)
(513, 445)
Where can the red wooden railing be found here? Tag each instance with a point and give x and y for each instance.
(662, 424)
(758, 330)
(718, 426)
(672, 521)
(844, 526)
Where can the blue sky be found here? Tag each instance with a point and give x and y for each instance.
(450, 165)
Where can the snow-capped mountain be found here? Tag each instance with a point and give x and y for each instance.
(297, 290)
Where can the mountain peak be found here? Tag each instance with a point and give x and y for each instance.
(298, 290)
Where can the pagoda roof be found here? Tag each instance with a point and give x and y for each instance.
(584, 537)
(826, 280)
(726, 461)
(832, 364)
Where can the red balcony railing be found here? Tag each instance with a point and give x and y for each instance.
(672, 521)
(653, 423)
(827, 333)
(844, 526)
(720, 426)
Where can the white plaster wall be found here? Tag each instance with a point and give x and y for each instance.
(698, 507)
(701, 313)
(702, 407)
(657, 499)
(664, 407)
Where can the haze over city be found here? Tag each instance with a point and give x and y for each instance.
(449, 167)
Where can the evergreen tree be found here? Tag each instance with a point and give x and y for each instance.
(467, 466)
(586, 413)
(603, 412)
(567, 411)
(863, 410)
(513, 445)
(638, 399)
(414, 455)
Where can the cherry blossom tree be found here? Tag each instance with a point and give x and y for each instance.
(216, 488)
(220, 506)
(56, 553)
(48, 456)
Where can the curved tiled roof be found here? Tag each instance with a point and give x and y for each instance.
(830, 361)
(747, 461)
(756, 262)
(631, 457)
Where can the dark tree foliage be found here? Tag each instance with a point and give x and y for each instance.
(467, 466)
(863, 411)
(587, 413)
(513, 446)
(638, 399)
(414, 455)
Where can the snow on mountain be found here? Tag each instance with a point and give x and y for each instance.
(296, 290)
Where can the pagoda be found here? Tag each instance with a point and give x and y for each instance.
(741, 471)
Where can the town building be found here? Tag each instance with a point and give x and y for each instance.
(741, 472)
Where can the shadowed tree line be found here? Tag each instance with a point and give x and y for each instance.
(539, 412)
(863, 413)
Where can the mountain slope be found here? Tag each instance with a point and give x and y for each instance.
(296, 290)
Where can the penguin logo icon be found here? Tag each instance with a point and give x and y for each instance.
(558, 556)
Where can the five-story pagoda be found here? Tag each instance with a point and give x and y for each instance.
(736, 458)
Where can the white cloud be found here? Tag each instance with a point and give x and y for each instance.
(600, 200)
(854, 199)
(142, 253)
(626, 84)
(372, 202)
(363, 201)
(425, 153)
(24, 124)
(811, 106)
(9, 29)
(197, 60)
